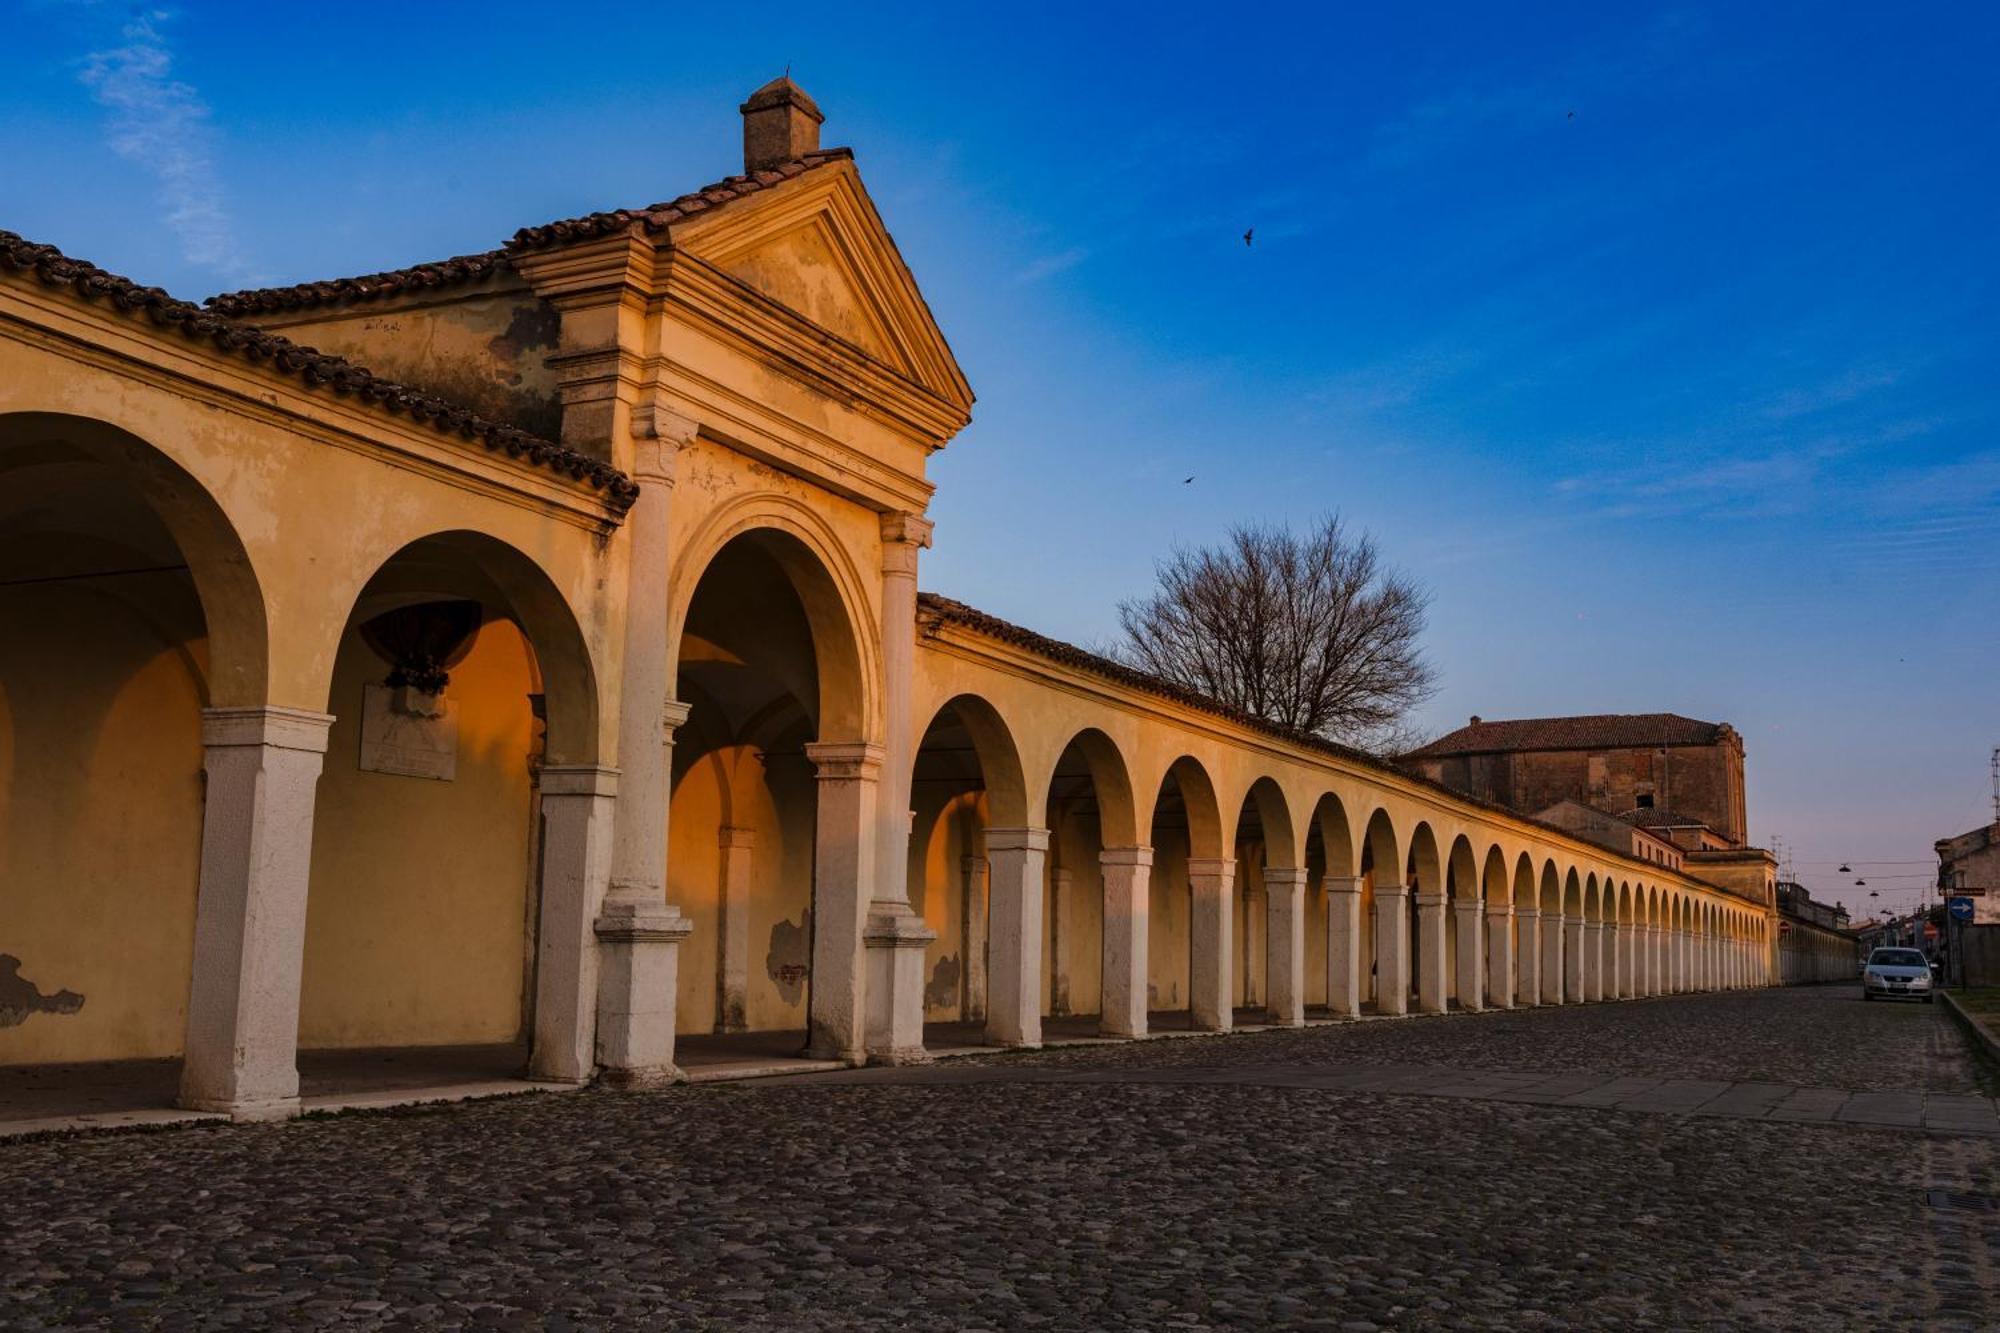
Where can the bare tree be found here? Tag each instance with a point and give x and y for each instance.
(1310, 632)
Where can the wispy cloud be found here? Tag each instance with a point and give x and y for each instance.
(1049, 265)
(162, 126)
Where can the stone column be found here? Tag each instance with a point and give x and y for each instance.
(1552, 958)
(1593, 960)
(1430, 953)
(1246, 924)
(1285, 945)
(1614, 961)
(1343, 944)
(1062, 924)
(1127, 917)
(1014, 987)
(250, 910)
(1210, 989)
(732, 945)
(579, 813)
(844, 846)
(1469, 954)
(638, 931)
(895, 936)
(1528, 956)
(1392, 948)
(972, 1003)
(1500, 954)
(1573, 959)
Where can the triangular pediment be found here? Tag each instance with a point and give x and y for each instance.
(817, 247)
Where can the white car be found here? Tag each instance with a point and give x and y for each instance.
(1891, 972)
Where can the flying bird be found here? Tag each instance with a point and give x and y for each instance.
(1572, 115)
(1248, 234)
(1187, 481)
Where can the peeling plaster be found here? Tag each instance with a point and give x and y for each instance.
(787, 964)
(20, 998)
(942, 992)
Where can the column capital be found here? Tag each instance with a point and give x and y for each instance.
(1499, 907)
(1284, 876)
(1341, 883)
(659, 433)
(672, 714)
(1392, 890)
(1126, 856)
(578, 780)
(845, 760)
(1430, 899)
(1211, 865)
(902, 527)
(279, 728)
(1528, 913)
(1017, 840)
(1465, 902)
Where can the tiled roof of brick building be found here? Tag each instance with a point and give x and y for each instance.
(1658, 818)
(1594, 731)
(87, 282)
(471, 268)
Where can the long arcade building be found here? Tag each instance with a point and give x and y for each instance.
(561, 679)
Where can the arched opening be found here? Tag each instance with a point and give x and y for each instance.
(1549, 936)
(1526, 933)
(1497, 890)
(1423, 874)
(767, 662)
(966, 779)
(459, 676)
(1593, 937)
(1268, 910)
(1385, 940)
(1462, 936)
(1094, 922)
(129, 606)
(1192, 904)
(1334, 943)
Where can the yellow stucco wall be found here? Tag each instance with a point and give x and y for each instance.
(100, 814)
(416, 924)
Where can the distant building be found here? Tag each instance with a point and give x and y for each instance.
(1969, 867)
(1618, 832)
(1609, 761)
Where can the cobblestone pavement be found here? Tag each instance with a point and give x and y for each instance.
(1029, 1203)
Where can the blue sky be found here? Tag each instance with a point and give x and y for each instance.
(1686, 401)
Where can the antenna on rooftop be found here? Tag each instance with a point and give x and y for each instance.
(1996, 784)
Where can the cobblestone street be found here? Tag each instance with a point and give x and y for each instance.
(1003, 1193)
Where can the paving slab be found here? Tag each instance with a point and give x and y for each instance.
(1749, 1100)
(1674, 1095)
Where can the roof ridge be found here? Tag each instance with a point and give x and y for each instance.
(366, 287)
(459, 269)
(317, 369)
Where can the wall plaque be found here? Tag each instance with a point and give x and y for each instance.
(406, 742)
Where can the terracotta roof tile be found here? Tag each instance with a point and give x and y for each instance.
(318, 370)
(1654, 817)
(470, 268)
(1609, 731)
(372, 287)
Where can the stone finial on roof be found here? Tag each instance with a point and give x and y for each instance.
(780, 124)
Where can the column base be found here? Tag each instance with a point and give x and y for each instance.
(894, 940)
(243, 1113)
(639, 938)
(640, 1079)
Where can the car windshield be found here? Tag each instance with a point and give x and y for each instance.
(1896, 958)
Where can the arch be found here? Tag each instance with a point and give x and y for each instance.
(1593, 907)
(225, 579)
(1198, 800)
(999, 758)
(1274, 821)
(1328, 823)
(501, 577)
(1495, 885)
(1110, 778)
(830, 590)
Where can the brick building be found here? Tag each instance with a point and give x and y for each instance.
(1624, 763)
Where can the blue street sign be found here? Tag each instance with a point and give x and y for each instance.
(1961, 909)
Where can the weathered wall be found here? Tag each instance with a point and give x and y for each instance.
(486, 346)
(1705, 781)
(100, 816)
(417, 920)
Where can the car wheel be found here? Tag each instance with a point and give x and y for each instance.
(1866, 996)
(1927, 999)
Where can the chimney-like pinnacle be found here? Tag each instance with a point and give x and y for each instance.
(779, 123)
